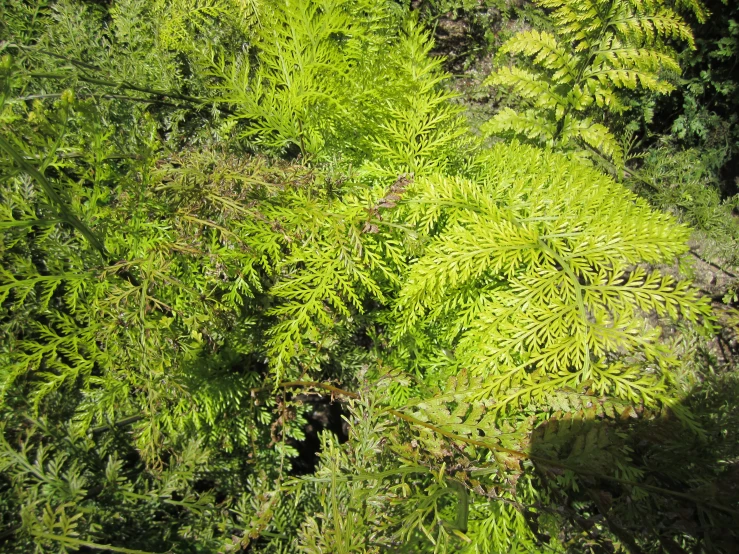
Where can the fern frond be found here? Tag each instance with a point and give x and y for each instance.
(597, 136)
(528, 124)
(542, 93)
(546, 52)
(546, 276)
(646, 29)
(595, 49)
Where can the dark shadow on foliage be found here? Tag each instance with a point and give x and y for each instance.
(325, 414)
(688, 498)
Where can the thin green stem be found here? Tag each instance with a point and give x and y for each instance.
(123, 85)
(70, 541)
(104, 96)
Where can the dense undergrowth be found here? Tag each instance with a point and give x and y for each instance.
(215, 212)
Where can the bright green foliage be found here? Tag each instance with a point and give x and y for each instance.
(294, 97)
(574, 74)
(336, 79)
(530, 277)
(194, 235)
(333, 264)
